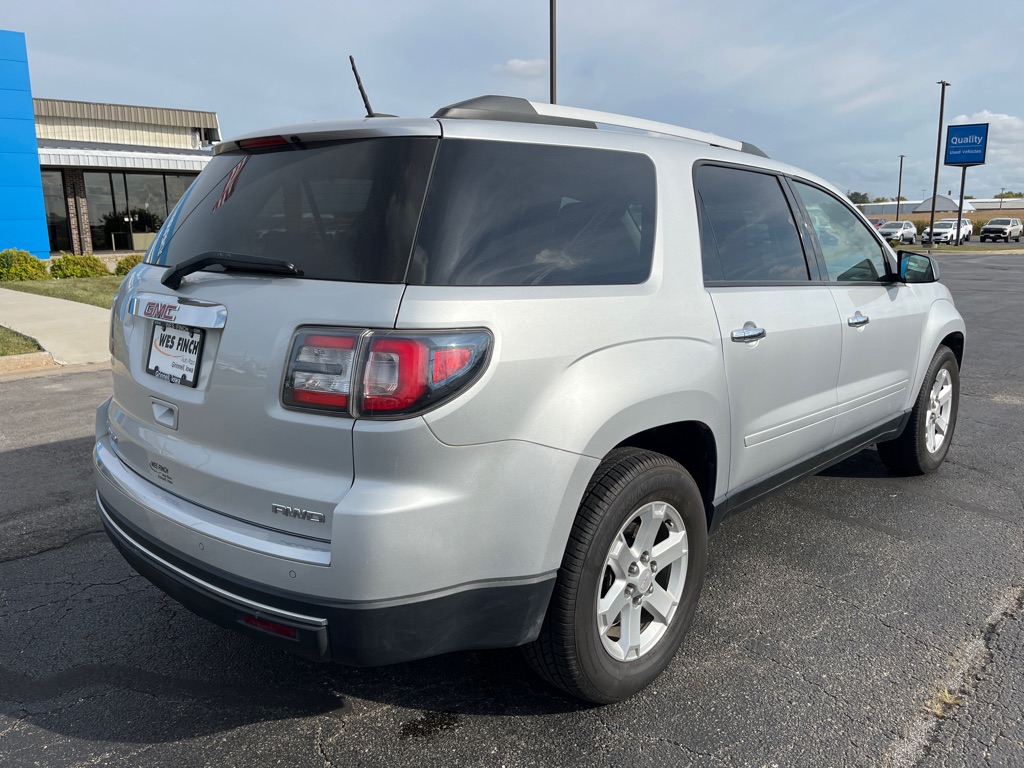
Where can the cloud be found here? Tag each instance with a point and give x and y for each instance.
(529, 69)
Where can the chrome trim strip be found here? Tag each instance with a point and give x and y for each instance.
(198, 583)
(198, 314)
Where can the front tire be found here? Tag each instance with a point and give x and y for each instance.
(629, 582)
(922, 446)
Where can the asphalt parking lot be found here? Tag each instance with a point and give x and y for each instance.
(858, 618)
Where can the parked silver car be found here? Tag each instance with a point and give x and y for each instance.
(900, 231)
(389, 388)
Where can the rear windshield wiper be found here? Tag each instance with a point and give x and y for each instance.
(232, 262)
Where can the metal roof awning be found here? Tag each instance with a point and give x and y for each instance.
(119, 156)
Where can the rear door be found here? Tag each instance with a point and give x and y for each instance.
(779, 326)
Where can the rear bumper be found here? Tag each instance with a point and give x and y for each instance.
(363, 634)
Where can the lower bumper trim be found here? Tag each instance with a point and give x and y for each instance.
(360, 635)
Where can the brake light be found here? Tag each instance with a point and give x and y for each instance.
(263, 141)
(381, 374)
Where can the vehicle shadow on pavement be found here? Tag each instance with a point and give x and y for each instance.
(865, 464)
(91, 650)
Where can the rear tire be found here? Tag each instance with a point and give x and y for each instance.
(922, 446)
(630, 579)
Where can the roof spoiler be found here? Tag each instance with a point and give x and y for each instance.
(515, 109)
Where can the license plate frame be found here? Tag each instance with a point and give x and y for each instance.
(175, 353)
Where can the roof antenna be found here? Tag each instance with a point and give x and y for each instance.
(362, 92)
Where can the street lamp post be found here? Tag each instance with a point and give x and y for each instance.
(899, 188)
(551, 68)
(938, 154)
(1001, 191)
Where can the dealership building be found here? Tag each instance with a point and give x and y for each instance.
(83, 177)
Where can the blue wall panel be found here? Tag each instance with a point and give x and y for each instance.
(22, 211)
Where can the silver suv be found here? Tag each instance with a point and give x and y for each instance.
(390, 388)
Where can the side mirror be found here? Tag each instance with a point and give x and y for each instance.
(917, 267)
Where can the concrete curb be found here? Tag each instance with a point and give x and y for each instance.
(28, 362)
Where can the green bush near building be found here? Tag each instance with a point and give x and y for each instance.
(18, 265)
(124, 266)
(69, 265)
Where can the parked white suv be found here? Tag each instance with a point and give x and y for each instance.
(1002, 228)
(947, 231)
(389, 388)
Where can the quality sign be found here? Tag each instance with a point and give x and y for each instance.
(966, 144)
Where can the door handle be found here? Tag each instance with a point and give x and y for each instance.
(858, 320)
(748, 333)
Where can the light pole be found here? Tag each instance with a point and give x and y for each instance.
(1001, 191)
(938, 154)
(899, 188)
(552, 55)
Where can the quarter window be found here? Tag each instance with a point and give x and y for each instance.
(501, 213)
(748, 233)
(851, 251)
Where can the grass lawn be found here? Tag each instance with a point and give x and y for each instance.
(98, 291)
(13, 343)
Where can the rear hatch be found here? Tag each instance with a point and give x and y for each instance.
(277, 234)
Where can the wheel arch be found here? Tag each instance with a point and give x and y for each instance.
(692, 444)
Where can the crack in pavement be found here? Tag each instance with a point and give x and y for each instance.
(962, 679)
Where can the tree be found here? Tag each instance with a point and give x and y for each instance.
(859, 198)
(1009, 193)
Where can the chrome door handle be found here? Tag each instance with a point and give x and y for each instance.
(748, 334)
(858, 320)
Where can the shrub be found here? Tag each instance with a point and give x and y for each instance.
(124, 266)
(21, 265)
(69, 265)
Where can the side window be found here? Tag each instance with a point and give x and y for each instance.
(851, 252)
(748, 225)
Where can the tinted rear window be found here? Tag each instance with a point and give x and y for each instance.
(344, 211)
(496, 213)
(501, 213)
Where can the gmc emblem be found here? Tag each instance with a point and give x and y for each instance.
(160, 311)
(301, 514)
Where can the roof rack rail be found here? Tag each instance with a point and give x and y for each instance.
(512, 108)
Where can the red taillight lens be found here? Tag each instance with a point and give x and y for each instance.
(400, 373)
(320, 371)
(449, 362)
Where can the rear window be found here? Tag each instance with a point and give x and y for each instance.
(501, 213)
(495, 213)
(344, 211)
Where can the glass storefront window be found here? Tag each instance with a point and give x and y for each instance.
(101, 209)
(147, 201)
(144, 198)
(56, 211)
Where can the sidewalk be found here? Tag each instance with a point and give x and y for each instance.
(71, 332)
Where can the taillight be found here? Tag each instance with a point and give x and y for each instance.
(320, 371)
(381, 374)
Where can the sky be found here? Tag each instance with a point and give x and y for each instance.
(839, 88)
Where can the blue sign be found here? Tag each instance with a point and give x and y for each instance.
(966, 144)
